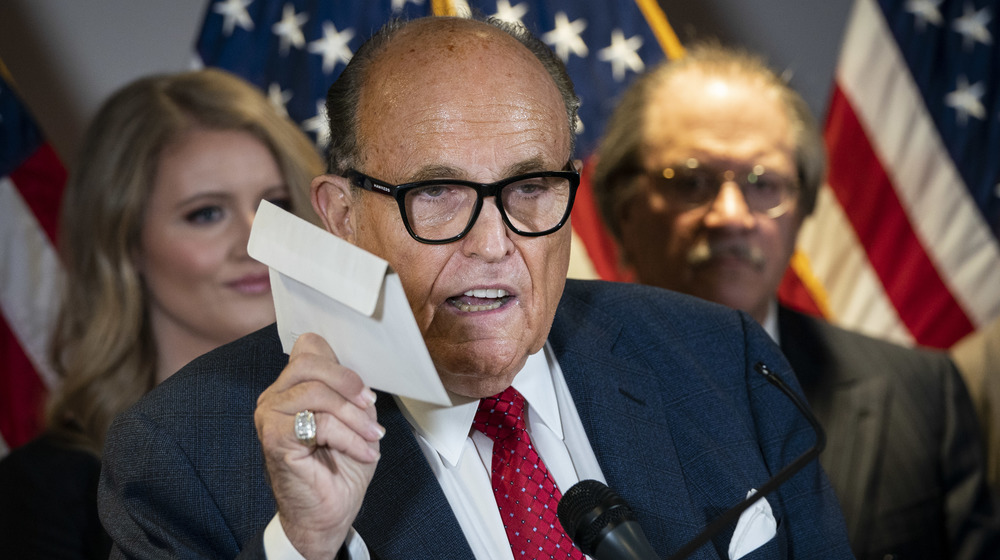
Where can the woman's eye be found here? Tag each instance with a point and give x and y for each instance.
(204, 215)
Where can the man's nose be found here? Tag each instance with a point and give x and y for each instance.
(729, 209)
(489, 239)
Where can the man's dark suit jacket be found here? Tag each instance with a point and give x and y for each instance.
(903, 450)
(681, 424)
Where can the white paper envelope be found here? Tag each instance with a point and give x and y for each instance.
(350, 297)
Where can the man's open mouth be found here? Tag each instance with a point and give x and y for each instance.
(480, 300)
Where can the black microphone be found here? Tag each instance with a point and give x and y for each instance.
(602, 524)
(593, 515)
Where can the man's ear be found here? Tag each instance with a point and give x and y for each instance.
(333, 201)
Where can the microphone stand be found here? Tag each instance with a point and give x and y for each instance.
(732, 514)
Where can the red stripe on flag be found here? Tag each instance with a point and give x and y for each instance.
(793, 293)
(912, 283)
(23, 392)
(589, 227)
(40, 180)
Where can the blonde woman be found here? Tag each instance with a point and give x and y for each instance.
(153, 235)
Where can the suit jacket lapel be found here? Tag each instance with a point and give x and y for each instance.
(854, 440)
(856, 434)
(620, 404)
(405, 514)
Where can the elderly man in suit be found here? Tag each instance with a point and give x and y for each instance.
(451, 158)
(707, 170)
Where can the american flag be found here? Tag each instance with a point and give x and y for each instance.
(294, 50)
(31, 183)
(904, 243)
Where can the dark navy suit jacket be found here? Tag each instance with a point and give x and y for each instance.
(681, 424)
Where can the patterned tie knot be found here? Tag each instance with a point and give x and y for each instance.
(501, 416)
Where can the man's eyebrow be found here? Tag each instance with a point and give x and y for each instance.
(429, 172)
(527, 166)
(426, 173)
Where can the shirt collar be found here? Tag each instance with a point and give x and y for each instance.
(446, 428)
(770, 323)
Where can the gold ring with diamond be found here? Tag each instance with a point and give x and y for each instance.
(305, 428)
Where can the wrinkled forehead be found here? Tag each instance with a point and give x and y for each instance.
(452, 69)
(432, 49)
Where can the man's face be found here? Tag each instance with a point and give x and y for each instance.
(720, 251)
(474, 106)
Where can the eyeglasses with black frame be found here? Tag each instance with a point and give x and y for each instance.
(440, 211)
(696, 184)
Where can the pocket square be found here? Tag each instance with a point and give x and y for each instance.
(755, 527)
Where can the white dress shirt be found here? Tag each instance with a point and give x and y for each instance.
(461, 458)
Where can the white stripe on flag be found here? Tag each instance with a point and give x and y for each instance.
(853, 289)
(29, 279)
(876, 80)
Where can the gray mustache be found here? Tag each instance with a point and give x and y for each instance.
(705, 251)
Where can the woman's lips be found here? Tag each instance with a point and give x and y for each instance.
(252, 284)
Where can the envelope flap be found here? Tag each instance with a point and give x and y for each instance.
(355, 280)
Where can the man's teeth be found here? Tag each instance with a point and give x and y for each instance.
(497, 295)
(492, 294)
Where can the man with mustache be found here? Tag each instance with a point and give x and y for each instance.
(708, 168)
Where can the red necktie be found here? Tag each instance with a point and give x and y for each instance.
(525, 493)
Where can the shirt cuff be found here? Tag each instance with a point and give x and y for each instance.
(278, 547)
(276, 543)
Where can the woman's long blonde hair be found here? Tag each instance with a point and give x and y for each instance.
(102, 346)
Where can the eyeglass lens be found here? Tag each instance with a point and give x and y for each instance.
(697, 185)
(443, 211)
